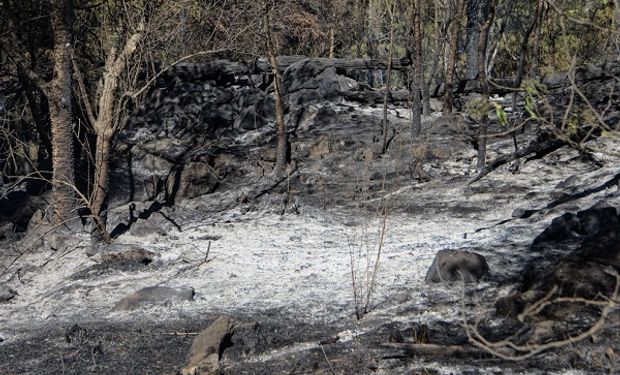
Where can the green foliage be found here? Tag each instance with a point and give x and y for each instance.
(477, 108)
(501, 114)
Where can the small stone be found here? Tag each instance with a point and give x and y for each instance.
(155, 295)
(6, 293)
(457, 265)
(205, 351)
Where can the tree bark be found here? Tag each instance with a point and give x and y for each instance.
(332, 41)
(61, 112)
(418, 76)
(106, 126)
(448, 97)
(476, 14)
(437, 56)
(484, 84)
(282, 138)
(523, 53)
(389, 80)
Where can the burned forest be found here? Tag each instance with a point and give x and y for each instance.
(309, 187)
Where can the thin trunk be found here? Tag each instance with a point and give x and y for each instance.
(433, 74)
(523, 54)
(106, 126)
(475, 16)
(484, 84)
(389, 80)
(418, 77)
(448, 97)
(40, 114)
(102, 181)
(61, 112)
(282, 147)
(522, 63)
(491, 57)
(332, 41)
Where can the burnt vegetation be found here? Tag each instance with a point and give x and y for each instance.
(137, 134)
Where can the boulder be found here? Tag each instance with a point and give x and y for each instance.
(457, 265)
(312, 80)
(585, 224)
(204, 355)
(155, 295)
(6, 293)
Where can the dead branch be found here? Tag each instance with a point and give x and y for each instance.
(535, 147)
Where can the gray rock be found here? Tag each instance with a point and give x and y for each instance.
(311, 80)
(155, 295)
(204, 355)
(522, 213)
(585, 224)
(6, 293)
(457, 265)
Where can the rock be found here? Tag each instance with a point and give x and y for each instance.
(455, 265)
(561, 228)
(6, 231)
(523, 213)
(583, 272)
(312, 80)
(6, 293)
(155, 295)
(204, 355)
(156, 224)
(585, 224)
(250, 339)
(118, 254)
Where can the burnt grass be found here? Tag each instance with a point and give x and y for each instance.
(269, 345)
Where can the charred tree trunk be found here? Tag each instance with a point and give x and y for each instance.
(522, 63)
(484, 84)
(39, 108)
(418, 76)
(476, 14)
(437, 56)
(61, 112)
(282, 138)
(523, 53)
(386, 122)
(448, 97)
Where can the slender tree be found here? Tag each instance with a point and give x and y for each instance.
(476, 13)
(61, 113)
(418, 74)
(106, 125)
(484, 84)
(282, 149)
(448, 96)
(386, 122)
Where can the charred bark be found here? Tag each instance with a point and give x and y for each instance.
(61, 112)
(282, 138)
(484, 84)
(448, 96)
